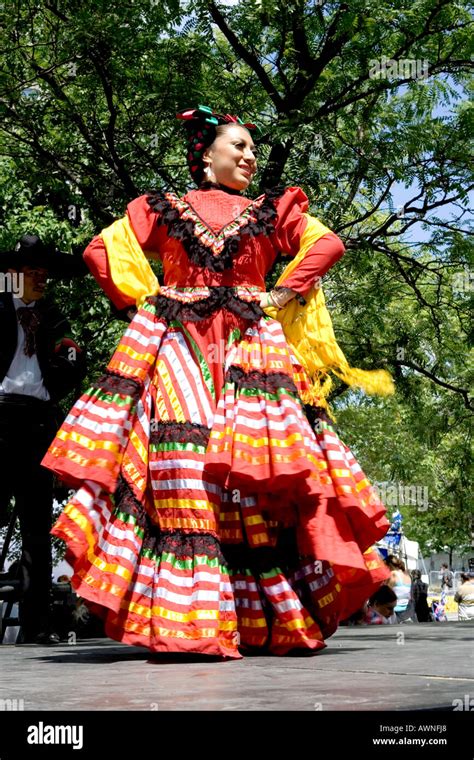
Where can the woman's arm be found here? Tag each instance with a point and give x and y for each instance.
(96, 259)
(295, 230)
(140, 224)
(322, 255)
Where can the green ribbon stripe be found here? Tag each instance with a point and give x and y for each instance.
(105, 396)
(270, 396)
(130, 520)
(182, 564)
(189, 564)
(177, 446)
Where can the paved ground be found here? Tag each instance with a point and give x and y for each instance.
(409, 667)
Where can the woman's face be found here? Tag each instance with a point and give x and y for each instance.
(231, 158)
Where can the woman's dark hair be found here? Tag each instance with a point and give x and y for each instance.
(198, 142)
(395, 563)
(203, 126)
(383, 595)
(416, 575)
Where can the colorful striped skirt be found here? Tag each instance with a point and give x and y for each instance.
(214, 512)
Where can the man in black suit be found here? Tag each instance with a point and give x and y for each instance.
(39, 364)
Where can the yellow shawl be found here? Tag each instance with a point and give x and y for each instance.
(131, 273)
(309, 331)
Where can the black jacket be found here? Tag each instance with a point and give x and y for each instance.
(61, 368)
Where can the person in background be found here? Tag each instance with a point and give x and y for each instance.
(446, 577)
(39, 365)
(378, 610)
(420, 598)
(401, 584)
(438, 609)
(464, 597)
(381, 607)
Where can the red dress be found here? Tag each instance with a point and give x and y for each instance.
(215, 513)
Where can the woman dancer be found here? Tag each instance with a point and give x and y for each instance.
(217, 510)
(400, 581)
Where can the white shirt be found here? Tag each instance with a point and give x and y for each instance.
(24, 374)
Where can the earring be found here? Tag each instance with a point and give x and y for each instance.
(208, 171)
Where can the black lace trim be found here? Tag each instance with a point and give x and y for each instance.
(269, 382)
(220, 297)
(179, 432)
(126, 501)
(186, 545)
(183, 545)
(113, 383)
(198, 253)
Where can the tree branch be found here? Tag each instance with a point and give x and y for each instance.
(368, 213)
(246, 55)
(118, 164)
(39, 150)
(306, 78)
(462, 391)
(303, 55)
(78, 121)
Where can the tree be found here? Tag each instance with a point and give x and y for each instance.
(353, 98)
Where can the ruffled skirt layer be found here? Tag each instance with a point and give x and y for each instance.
(213, 513)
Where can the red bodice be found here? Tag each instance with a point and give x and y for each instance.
(212, 216)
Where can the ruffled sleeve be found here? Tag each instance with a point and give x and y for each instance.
(290, 222)
(294, 228)
(117, 258)
(143, 221)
